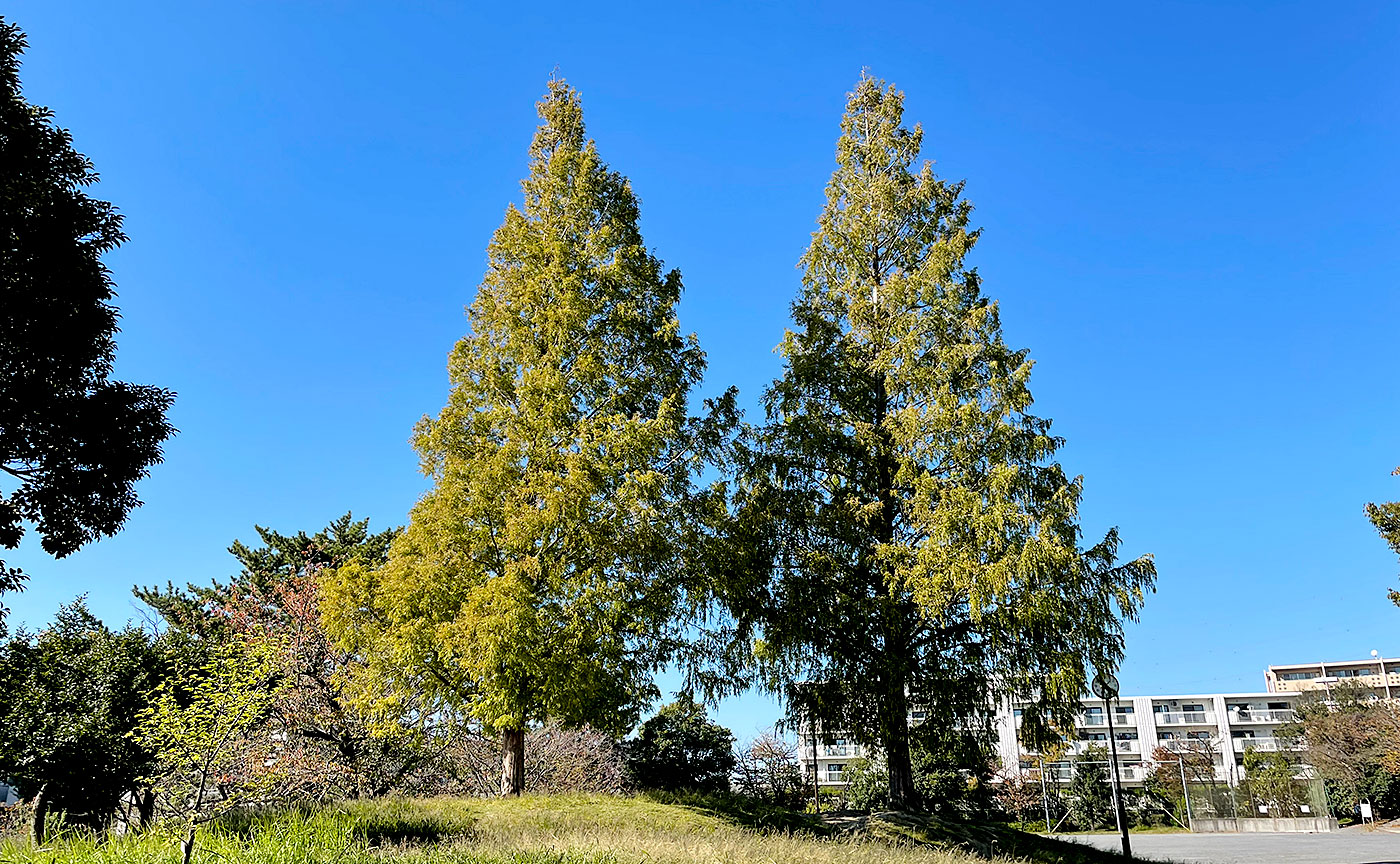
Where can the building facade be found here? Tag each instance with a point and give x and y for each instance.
(1380, 676)
(1222, 725)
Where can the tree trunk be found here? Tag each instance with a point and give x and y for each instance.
(187, 846)
(41, 815)
(512, 762)
(145, 806)
(895, 732)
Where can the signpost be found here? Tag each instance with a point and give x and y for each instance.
(1106, 688)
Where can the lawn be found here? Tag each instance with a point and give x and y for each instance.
(566, 830)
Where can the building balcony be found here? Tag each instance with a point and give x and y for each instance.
(1184, 718)
(1079, 748)
(1263, 745)
(1063, 772)
(1188, 745)
(839, 750)
(1101, 720)
(1273, 715)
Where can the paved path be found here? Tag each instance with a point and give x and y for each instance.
(1350, 846)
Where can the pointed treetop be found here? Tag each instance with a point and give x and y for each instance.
(562, 130)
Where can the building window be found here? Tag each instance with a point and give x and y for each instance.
(1298, 676)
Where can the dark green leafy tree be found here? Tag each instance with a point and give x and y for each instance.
(73, 694)
(73, 443)
(911, 539)
(264, 570)
(1090, 796)
(680, 749)
(1271, 784)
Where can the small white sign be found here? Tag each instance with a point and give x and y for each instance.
(1366, 810)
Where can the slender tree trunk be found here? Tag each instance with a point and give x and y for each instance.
(145, 807)
(187, 846)
(41, 815)
(512, 762)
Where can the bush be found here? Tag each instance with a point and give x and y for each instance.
(680, 749)
(867, 786)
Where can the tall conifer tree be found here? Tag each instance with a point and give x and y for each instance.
(917, 542)
(541, 577)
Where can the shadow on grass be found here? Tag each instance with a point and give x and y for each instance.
(744, 812)
(382, 822)
(985, 840)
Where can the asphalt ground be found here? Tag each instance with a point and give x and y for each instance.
(1349, 846)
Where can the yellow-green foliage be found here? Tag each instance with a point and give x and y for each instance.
(534, 830)
(536, 580)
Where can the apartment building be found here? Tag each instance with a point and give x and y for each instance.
(1380, 676)
(1225, 725)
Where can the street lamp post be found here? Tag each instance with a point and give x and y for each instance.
(1106, 688)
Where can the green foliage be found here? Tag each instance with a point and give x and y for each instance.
(867, 785)
(202, 726)
(275, 599)
(72, 696)
(542, 576)
(680, 748)
(1090, 795)
(1386, 519)
(264, 570)
(75, 441)
(1353, 743)
(909, 538)
(1271, 781)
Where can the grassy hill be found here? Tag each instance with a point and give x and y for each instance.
(569, 830)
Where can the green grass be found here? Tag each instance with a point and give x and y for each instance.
(564, 830)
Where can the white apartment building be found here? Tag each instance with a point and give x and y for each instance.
(1225, 724)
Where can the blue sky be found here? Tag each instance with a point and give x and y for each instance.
(1188, 211)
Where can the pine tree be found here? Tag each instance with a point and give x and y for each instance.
(915, 541)
(541, 577)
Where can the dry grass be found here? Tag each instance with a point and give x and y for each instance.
(529, 830)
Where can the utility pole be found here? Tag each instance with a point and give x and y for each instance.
(1106, 688)
(1185, 794)
(1045, 798)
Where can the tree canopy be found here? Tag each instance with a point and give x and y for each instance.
(681, 749)
(911, 538)
(73, 695)
(542, 576)
(73, 442)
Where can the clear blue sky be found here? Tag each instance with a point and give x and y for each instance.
(1189, 211)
